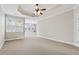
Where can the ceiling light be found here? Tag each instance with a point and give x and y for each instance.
(38, 11)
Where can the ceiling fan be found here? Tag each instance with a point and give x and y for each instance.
(37, 11)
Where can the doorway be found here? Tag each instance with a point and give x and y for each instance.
(30, 28)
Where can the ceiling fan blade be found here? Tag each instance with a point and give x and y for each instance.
(41, 13)
(43, 9)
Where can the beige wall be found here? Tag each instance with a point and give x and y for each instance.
(2, 24)
(60, 27)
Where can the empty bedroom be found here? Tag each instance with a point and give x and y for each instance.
(39, 29)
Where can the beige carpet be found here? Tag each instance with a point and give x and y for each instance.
(37, 46)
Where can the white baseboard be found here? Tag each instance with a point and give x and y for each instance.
(1, 45)
(76, 44)
(59, 41)
(15, 38)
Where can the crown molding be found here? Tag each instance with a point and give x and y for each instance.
(44, 18)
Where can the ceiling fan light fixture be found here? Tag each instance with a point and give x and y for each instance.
(36, 4)
(35, 13)
(39, 12)
(36, 7)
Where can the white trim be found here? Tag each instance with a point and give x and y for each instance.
(76, 43)
(15, 38)
(75, 27)
(1, 45)
(59, 41)
(57, 14)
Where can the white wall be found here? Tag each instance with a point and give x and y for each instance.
(2, 28)
(59, 27)
(30, 21)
